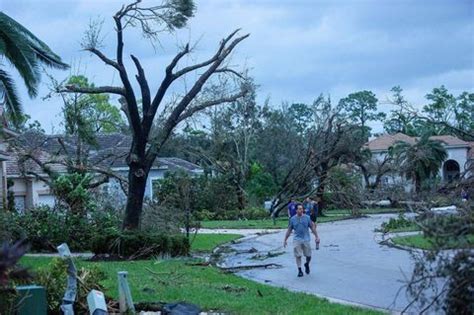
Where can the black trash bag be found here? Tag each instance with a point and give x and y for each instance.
(181, 308)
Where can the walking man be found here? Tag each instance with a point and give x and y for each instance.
(301, 224)
(313, 215)
(307, 205)
(291, 208)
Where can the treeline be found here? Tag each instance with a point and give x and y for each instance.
(265, 151)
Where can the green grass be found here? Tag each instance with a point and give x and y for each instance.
(422, 242)
(208, 287)
(367, 211)
(281, 223)
(397, 228)
(410, 228)
(207, 242)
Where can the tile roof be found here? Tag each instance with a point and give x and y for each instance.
(450, 140)
(384, 142)
(15, 166)
(111, 151)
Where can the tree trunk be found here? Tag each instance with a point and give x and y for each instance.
(136, 191)
(240, 194)
(320, 199)
(320, 193)
(417, 184)
(240, 200)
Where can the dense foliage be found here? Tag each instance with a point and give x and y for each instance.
(139, 244)
(45, 228)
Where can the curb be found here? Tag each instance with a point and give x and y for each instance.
(386, 239)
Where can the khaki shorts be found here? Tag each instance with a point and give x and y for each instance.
(301, 249)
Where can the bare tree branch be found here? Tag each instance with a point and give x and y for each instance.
(225, 70)
(94, 90)
(214, 58)
(103, 57)
(149, 115)
(229, 99)
(173, 118)
(145, 89)
(129, 95)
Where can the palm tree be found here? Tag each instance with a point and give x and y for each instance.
(421, 160)
(26, 53)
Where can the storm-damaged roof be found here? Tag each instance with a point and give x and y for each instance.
(110, 151)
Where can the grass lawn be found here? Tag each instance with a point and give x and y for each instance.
(212, 289)
(281, 223)
(367, 211)
(410, 228)
(419, 241)
(207, 242)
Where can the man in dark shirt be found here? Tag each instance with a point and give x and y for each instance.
(291, 208)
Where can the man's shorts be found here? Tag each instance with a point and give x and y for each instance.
(301, 249)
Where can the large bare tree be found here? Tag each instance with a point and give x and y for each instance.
(149, 132)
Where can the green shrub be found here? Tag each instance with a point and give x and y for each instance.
(396, 223)
(164, 217)
(255, 213)
(72, 190)
(54, 278)
(46, 228)
(440, 201)
(204, 215)
(139, 244)
(251, 213)
(179, 246)
(43, 228)
(9, 228)
(261, 184)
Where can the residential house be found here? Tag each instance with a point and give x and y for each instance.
(459, 160)
(30, 186)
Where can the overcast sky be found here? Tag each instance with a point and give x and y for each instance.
(297, 48)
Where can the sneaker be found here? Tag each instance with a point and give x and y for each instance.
(300, 273)
(306, 268)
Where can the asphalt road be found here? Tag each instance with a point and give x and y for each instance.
(350, 266)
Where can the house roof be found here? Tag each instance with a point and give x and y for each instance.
(15, 166)
(111, 151)
(384, 142)
(450, 140)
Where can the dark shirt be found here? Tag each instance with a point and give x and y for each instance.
(307, 207)
(292, 208)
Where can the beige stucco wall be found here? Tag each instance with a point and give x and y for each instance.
(30, 192)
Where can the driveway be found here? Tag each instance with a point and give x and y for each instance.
(350, 266)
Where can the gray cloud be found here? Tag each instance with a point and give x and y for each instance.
(297, 49)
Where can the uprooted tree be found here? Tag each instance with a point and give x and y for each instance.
(443, 277)
(330, 141)
(149, 132)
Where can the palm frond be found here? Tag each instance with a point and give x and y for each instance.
(10, 97)
(18, 52)
(44, 54)
(49, 59)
